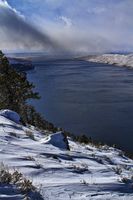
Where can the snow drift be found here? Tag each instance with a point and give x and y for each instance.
(58, 140)
(10, 115)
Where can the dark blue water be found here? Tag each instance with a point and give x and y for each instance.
(83, 97)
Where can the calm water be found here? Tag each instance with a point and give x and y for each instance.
(83, 97)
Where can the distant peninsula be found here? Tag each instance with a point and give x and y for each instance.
(113, 59)
(21, 64)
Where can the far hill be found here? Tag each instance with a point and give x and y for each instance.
(113, 59)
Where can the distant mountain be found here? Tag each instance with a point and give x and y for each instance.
(113, 59)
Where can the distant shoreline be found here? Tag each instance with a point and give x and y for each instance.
(21, 64)
(120, 60)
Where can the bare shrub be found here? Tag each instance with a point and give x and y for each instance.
(117, 170)
(80, 168)
(30, 135)
(127, 180)
(17, 178)
(30, 158)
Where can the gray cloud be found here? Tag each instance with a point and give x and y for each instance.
(16, 33)
(79, 26)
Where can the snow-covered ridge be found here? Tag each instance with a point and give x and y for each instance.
(114, 59)
(84, 172)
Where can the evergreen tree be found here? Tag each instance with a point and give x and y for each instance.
(15, 89)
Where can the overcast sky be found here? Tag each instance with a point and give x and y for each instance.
(85, 26)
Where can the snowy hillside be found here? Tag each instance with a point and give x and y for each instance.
(83, 173)
(114, 59)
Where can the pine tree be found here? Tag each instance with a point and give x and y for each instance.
(15, 89)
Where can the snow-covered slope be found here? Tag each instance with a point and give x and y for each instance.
(83, 173)
(116, 59)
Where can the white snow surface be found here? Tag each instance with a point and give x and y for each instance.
(85, 172)
(114, 59)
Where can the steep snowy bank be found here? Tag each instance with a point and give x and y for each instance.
(113, 59)
(85, 172)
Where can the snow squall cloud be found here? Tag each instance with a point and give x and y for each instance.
(16, 33)
(86, 26)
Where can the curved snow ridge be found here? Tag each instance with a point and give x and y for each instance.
(58, 140)
(113, 59)
(11, 115)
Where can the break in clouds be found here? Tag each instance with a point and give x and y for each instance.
(87, 26)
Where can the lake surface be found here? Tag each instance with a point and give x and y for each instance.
(90, 98)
